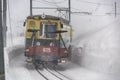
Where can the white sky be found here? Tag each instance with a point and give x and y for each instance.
(19, 10)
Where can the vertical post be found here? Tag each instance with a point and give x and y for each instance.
(1, 46)
(4, 21)
(30, 7)
(70, 47)
(70, 19)
(69, 2)
(115, 9)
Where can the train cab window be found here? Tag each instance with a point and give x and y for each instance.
(48, 27)
(32, 25)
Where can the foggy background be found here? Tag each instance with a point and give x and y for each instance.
(96, 37)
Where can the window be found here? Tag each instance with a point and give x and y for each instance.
(46, 28)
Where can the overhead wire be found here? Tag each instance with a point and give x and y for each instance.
(84, 14)
(97, 7)
(48, 2)
(77, 9)
(55, 1)
(9, 14)
(96, 3)
(102, 28)
(53, 4)
(43, 2)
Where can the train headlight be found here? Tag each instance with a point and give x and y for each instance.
(63, 61)
(43, 16)
(29, 59)
(27, 50)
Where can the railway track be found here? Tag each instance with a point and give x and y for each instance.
(49, 74)
(46, 78)
(62, 74)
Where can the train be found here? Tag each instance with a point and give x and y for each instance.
(47, 39)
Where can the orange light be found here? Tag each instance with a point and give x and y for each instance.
(63, 61)
(27, 50)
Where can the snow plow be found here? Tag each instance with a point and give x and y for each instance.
(47, 39)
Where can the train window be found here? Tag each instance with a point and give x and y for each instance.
(32, 25)
(48, 27)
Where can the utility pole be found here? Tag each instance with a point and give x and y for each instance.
(69, 2)
(4, 21)
(2, 73)
(30, 7)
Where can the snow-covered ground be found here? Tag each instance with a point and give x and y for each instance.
(96, 40)
(91, 65)
(101, 48)
(18, 69)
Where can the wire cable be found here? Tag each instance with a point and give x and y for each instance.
(100, 29)
(81, 13)
(50, 3)
(42, 2)
(105, 4)
(55, 2)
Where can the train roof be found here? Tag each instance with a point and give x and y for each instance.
(49, 17)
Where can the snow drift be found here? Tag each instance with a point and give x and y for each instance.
(99, 50)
